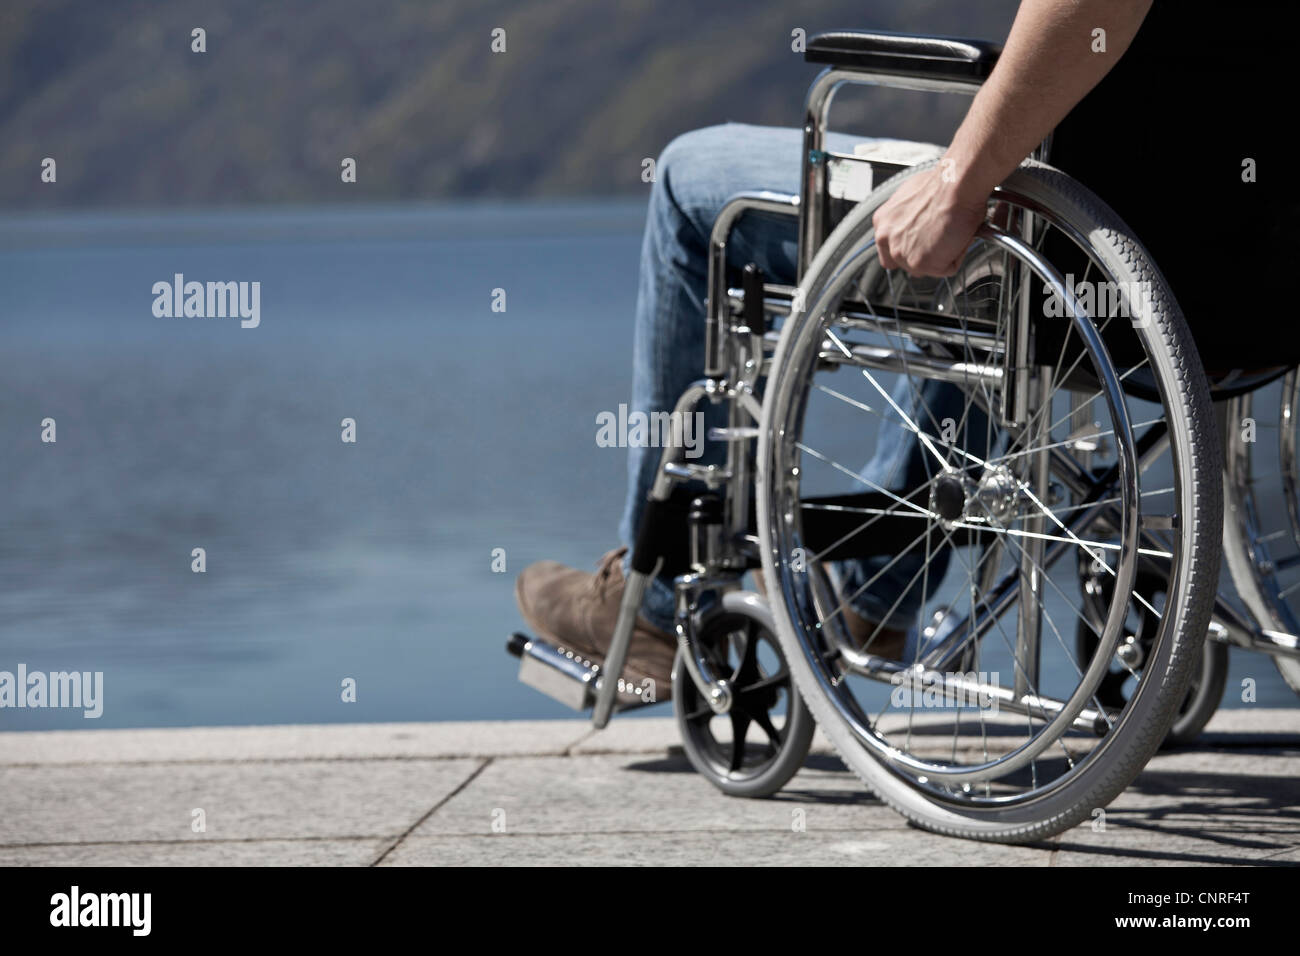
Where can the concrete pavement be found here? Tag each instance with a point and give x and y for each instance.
(536, 792)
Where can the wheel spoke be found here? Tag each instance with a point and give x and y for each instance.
(739, 727)
(766, 683)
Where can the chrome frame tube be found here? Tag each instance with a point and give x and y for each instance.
(633, 594)
(1015, 701)
(918, 330)
(1232, 627)
(812, 182)
(759, 201)
(715, 690)
(635, 585)
(1029, 635)
(889, 360)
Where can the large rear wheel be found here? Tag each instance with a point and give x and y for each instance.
(1046, 401)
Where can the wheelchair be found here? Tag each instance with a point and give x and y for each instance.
(1054, 539)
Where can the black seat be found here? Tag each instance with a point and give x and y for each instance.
(902, 54)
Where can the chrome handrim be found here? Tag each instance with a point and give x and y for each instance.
(970, 775)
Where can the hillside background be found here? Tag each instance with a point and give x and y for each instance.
(585, 90)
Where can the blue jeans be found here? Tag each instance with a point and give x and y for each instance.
(695, 176)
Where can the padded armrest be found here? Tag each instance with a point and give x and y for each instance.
(901, 54)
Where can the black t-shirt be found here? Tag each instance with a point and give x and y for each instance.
(1162, 140)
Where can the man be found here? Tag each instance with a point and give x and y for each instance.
(1172, 102)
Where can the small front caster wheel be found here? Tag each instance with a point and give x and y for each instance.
(760, 741)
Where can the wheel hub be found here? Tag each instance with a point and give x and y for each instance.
(948, 497)
(998, 494)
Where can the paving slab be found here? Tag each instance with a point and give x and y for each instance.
(1208, 804)
(889, 847)
(655, 734)
(156, 802)
(206, 853)
(299, 742)
(543, 792)
(644, 794)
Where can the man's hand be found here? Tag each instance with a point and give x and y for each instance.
(926, 227)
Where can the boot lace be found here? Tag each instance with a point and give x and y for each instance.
(609, 572)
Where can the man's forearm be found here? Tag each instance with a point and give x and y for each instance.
(1047, 65)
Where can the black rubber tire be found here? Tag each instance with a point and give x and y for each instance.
(1208, 682)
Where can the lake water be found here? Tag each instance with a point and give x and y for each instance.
(325, 560)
